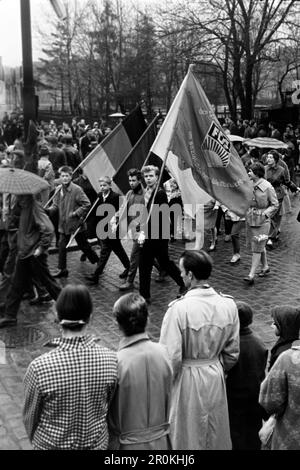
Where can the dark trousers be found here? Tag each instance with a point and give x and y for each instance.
(107, 246)
(83, 245)
(24, 271)
(3, 248)
(156, 249)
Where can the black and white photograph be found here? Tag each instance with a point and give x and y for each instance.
(149, 227)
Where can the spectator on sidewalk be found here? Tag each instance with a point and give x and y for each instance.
(139, 412)
(68, 390)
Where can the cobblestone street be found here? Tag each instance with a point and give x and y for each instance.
(36, 325)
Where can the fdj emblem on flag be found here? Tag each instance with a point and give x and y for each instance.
(216, 141)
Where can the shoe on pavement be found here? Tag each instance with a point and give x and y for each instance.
(124, 274)
(227, 238)
(61, 273)
(127, 286)
(83, 257)
(249, 280)
(6, 321)
(40, 299)
(264, 272)
(236, 257)
(92, 280)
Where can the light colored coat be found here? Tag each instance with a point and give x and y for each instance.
(201, 332)
(280, 395)
(139, 412)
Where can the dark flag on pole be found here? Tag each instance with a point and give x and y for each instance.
(107, 158)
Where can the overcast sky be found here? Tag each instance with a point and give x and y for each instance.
(10, 27)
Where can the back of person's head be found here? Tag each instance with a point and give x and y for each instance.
(67, 139)
(74, 306)
(254, 153)
(258, 169)
(245, 314)
(287, 320)
(199, 263)
(44, 151)
(18, 159)
(65, 169)
(53, 140)
(131, 313)
(135, 172)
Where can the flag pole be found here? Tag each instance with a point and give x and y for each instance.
(138, 142)
(81, 223)
(53, 196)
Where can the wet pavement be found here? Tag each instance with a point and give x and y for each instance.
(36, 325)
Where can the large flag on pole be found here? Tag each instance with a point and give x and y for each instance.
(199, 154)
(106, 158)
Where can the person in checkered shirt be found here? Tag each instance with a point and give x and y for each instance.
(68, 390)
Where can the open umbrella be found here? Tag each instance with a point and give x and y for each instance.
(265, 143)
(235, 138)
(117, 115)
(15, 181)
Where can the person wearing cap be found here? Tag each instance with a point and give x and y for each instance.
(139, 412)
(107, 207)
(201, 333)
(243, 383)
(68, 390)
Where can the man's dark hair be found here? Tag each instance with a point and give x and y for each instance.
(198, 262)
(66, 169)
(258, 169)
(135, 172)
(74, 306)
(131, 313)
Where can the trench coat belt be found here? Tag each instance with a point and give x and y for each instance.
(199, 362)
(139, 436)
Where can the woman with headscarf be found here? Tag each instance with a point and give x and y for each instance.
(287, 324)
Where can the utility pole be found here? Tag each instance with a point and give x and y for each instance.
(29, 100)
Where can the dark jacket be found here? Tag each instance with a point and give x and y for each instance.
(158, 223)
(105, 210)
(35, 229)
(243, 385)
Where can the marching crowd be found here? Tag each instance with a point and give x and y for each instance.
(204, 385)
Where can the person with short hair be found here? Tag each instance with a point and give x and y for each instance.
(72, 205)
(201, 333)
(109, 241)
(139, 411)
(243, 383)
(68, 390)
(263, 206)
(156, 231)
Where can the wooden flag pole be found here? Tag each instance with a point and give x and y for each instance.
(81, 223)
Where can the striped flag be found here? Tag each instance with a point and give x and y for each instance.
(199, 154)
(136, 157)
(108, 156)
